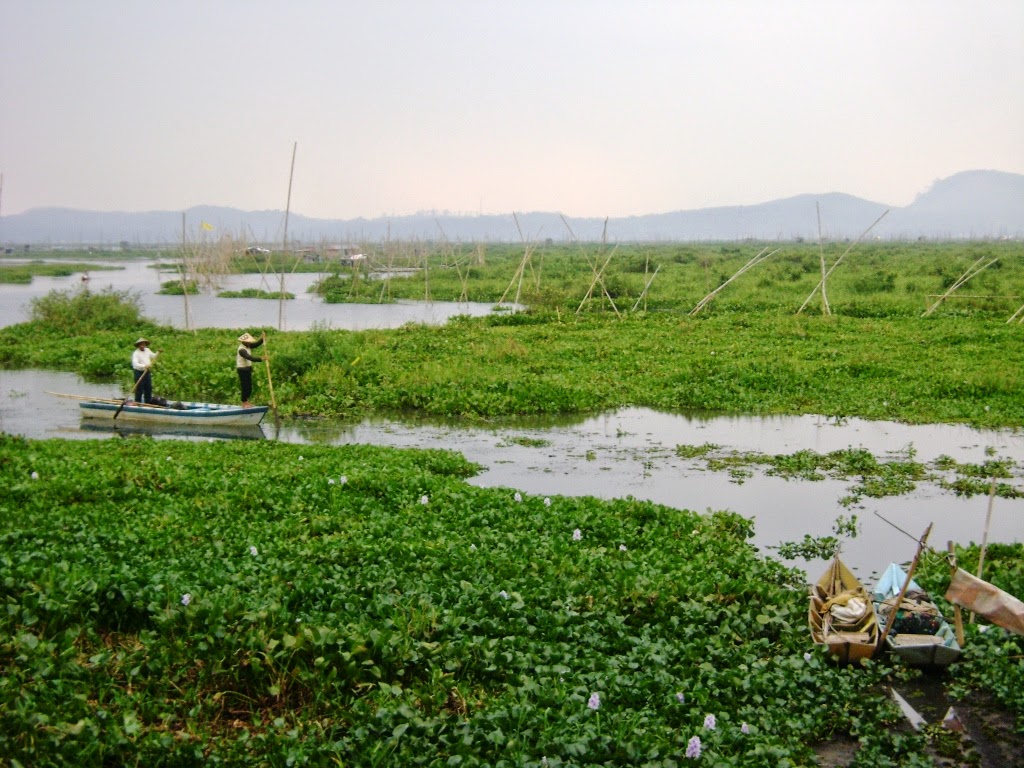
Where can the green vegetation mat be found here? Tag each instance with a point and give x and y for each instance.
(173, 602)
(22, 274)
(167, 602)
(585, 344)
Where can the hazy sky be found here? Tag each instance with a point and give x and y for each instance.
(587, 107)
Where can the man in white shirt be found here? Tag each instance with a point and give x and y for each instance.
(142, 361)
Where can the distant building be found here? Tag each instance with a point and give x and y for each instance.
(345, 255)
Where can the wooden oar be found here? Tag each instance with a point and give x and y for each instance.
(270, 381)
(134, 390)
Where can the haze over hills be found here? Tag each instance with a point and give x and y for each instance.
(967, 205)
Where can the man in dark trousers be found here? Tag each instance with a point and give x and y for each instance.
(243, 363)
(142, 360)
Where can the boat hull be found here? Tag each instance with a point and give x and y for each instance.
(190, 414)
(163, 429)
(848, 642)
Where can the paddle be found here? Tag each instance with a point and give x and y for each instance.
(132, 396)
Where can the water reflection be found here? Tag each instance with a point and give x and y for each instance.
(631, 452)
(191, 431)
(206, 310)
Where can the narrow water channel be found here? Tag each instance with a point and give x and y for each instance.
(632, 452)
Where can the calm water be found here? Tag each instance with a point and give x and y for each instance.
(208, 311)
(631, 452)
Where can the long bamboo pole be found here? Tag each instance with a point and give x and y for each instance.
(838, 262)
(107, 400)
(184, 276)
(287, 210)
(971, 272)
(643, 293)
(825, 308)
(752, 263)
(85, 397)
(906, 585)
(270, 381)
(984, 535)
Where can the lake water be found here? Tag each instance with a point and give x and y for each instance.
(631, 452)
(208, 311)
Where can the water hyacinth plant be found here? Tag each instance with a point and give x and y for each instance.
(363, 634)
(693, 748)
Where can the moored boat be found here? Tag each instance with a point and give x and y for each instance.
(920, 636)
(841, 615)
(183, 413)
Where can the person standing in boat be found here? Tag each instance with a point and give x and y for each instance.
(142, 360)
(243, 363)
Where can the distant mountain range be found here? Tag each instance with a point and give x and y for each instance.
(967, 205)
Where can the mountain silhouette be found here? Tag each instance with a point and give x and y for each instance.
(967, 205)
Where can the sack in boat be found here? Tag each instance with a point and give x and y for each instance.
(159, 401)
(850, 613)
(916, 615)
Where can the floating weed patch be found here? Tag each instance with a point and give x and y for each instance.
(695, 451)
(526, 442)
(255, 293)
(876, 478)
(979, 479)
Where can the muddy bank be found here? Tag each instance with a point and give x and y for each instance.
(972, 733)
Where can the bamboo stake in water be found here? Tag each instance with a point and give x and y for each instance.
(270, 381)
(517, 278)
(643, 293)
(752, 263)
(984, 535)
(287, 210)
(184, 277)
(825, 308)
(838, 262)
(598, 273)
(971, 272)
(958, 619)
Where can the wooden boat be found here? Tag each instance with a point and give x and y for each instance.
(181, 413)
(920, 636)
(842, 616)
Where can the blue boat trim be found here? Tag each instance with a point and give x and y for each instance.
(204, 411)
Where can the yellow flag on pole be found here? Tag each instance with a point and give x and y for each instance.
(206, 226)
